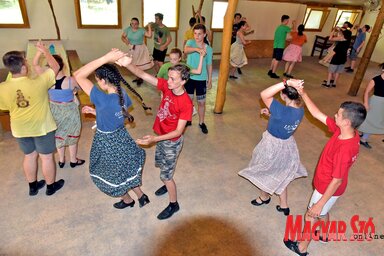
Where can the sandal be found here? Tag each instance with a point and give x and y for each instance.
(254, 201)
(78, 162)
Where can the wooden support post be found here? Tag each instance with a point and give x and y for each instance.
(358, 78)
(225, 52)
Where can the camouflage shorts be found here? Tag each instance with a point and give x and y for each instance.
(166, 155)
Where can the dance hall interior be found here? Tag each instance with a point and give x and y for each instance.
(215, 215)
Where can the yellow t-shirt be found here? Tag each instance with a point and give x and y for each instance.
(28, 105)
(188, 35)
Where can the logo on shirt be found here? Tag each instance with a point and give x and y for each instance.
(292, 128)
(20, 100)
(164, 112)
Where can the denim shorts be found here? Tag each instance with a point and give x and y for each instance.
(200, 87)
(353, 54)
(42, 144)
(166, 155)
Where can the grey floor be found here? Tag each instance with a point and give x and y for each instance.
(216, 217)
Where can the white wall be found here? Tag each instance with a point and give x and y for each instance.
(378, 54)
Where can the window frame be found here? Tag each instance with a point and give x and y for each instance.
(324, 18)
(216, 29)
(24, 15)
(177, 11)
(87, 26)
(357, 11)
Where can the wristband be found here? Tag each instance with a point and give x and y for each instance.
(285, 83)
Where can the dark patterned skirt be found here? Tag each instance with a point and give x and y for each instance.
(116, 162)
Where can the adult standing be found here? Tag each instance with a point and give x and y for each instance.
(31, 120)
(162, 39)
(133, 36)
(374, 123)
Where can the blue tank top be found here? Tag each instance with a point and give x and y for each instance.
(61, 95)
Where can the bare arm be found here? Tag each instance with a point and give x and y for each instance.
(242, 38)
(267, 94)
(148, 33)
(126, 62)
(124, 38)
(315, 210)
(189, 49)
(81, 75)
(35, 63)
(164, 46)
(367, 91)
(149, 139)
(197, 71)
(209, 82)
(313, 109)
(52, 63)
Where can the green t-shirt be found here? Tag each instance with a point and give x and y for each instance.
(280, 36)
(160, 36)
(163, 72)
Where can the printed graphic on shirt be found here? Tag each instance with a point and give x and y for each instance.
(292, 128)
(164, 112)
(20, 100)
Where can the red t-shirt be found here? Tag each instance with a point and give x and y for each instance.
(172, 108)
(336, 160)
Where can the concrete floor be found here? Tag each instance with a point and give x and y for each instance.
(216, 217)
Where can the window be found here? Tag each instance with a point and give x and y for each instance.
(98, 13)
(346, 15)
(169, 8)
(13, 14)
(315, 18)
(218, 12)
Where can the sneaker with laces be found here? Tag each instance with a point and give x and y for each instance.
(203, 128)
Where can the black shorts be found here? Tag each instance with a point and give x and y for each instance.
(278, 53)
(200, 87)
(159, 55)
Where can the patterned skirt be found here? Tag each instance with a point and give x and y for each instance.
(141, 57)
(275, 163)
(238, 57)
(67, 118)
(374, 123)
(116, 162)
(293, 53)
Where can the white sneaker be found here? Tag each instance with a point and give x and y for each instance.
(194, 111)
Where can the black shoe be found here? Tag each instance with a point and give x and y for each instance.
(139, 82)
(349, 70)
(326, 85)
(39, 185)
(51, 189)
(254, 201)
(189, 123)
(294, 246)
(273, 75)
(287, 75)
(161, 191)
(169, 211)
(365, 144)
(61, 164)
(203, 128)
(233, 77)
(143, 200)
(283, 210)
(321, 238)
(325, 81)
(239, 71)
(122, 204)
(270, 72)
(135, 80)
(78, 162)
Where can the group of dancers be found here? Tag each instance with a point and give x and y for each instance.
(117, 161)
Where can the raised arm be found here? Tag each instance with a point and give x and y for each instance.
(242, 38)
(35, 63)
(127, 63)
(81, 75)
(267, 94)
(148, 33)
(52, 63)
(313, 109)
(197, 70)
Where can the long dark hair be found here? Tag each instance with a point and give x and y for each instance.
(111, 74)
(292, 94)
(300, 29)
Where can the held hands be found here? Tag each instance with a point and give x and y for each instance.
(114, 55)
(41, 47)
(146, 140)
(314, 211)
(297, 84)
(124, 61)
